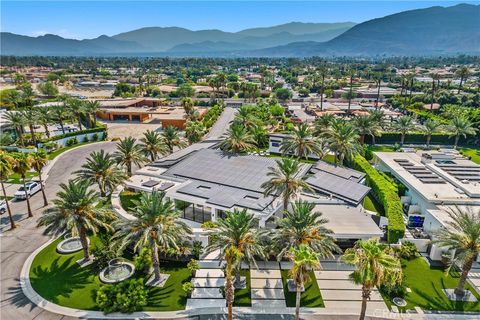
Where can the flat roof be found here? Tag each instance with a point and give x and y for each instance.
(339, 171)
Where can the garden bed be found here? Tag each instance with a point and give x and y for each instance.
(311, 297)
(243, 297)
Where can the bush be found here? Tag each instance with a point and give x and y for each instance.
(75, 133)
(408, 250)
(193, 266)
(95, 137)
(209, 225)
(197, 249)
(71, 141)
(396, 290)
(387, 194)
(143, 260)
(85, 138)
(127, 296)
(102, 257)
(187, 287)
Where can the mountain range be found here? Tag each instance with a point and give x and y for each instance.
(430, 31)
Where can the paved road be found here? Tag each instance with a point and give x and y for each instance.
(18, 244)
(221, 125)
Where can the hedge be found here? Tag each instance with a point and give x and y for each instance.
(417, 138)
(387, 194)
(72, 134)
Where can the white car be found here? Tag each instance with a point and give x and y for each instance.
(3, 206)
(32, 187)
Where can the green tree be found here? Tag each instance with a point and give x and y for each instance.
(91, 108)
(60, 115)
(17, 121)
(156, 226)
(366, 125)
(77, 108)
(30, 116)
(404, 125)
(375, 265)
(463, 73)
(194, 131)
(129, 153)
(238, 140)
(304, 259)
(45, 119)
(462, 237)
(460, 127)
(7, 163)
(23, 164)
(430, 127)
(48, 89)
(102, 169)
(283, 94)
(232, 257)
(285, 180)
(75, 211)
(342, 138)
(172, 139)
(39, 161)
(153, 144)
(302, 143)
(185, 90)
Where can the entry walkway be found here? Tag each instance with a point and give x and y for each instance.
(206, 288)
(267, 287)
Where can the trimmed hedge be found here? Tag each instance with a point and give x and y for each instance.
(387, 194)
(72, 134)
(417, 138)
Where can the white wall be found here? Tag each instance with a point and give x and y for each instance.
(80, 137)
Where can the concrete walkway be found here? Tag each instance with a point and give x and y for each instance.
(221, 125)
(206, 289)
(267, 286)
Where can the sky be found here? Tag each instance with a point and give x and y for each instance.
(90, 19)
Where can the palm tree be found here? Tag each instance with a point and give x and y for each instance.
(378, 76)
(153, 144)
(366, 125)
(75, 211)
(323, 122)
(76, 107)
(6, 169)
(30, 116)
(343, 140)
(194, 131)
(156, 226)
(302, 143)
(323, 71)
(129, 153)
(304, 259)
(350, 94)
(237, 229)
(244, 117)
(101, 168)
(462, 236)
(463, 73)
(232, 257)
(16, 120)
(460, 126)
(404, 125)
(22, 164)
(171, 138)
(301, 225)
(39, 161)
(187, 104)
(45, 118)
(435, 78)
(430, 127)
(238, 140)
(285, 180)
(375, 264)
(91, 108)
(60, 114)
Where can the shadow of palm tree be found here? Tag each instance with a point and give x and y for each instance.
(17, 298)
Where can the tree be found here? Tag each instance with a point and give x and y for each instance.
(77, 108)
(463, 73)
(350, 94)
(342, 138)
(39, 161)
(237, 229)
(404, 125)
(194, 131)
(435, 78)
(75, 211)
(91, 107)
(7, 163)
(232, 257)
(323, 122)
(462, 237)
(238, 140)
(304, 259)
(156, 226)
(153, 144)
(22, 164)
(172, 139)
(283, 94)
(16, 120)
(375, 265)
(101, 168)
(460, 127)
(185, 90)
(44, 118)
(430, 127)
(129, 153)
(123, 89)
(323, 71)
(302, 143)
(187, 104)
(301, 225)
(366, 125)
(378, 77)
(60, 114)
(285, 180)
(30, 117)
(48, 89)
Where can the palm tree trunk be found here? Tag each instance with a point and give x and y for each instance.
(60, 122)
(229, 295)
(82, 233)
(402, 138)
(457, 137)
(365, 297)
(467, 265)
(32, 132)
(79, 123)
(362, 139)
(285, 203)
(378, 95)
(152, 156)
(30, 214)
(297, 300)
(129, 168)
(45, 201)
(429, 137)
(47, 133)
(373, 139)
(155, 260)
(12, 223)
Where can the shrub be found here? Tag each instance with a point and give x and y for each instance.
(395, 290)
(127, 296)
(71, 141)
(74, 134)
(197, 249)
(95, 137)
(187, 287)
(209, 225)
(102, 257)
(387, 194)
(85, 138)
(193, 266)
(408, 250)
(143, 260)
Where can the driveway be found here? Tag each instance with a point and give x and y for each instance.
(18, 244)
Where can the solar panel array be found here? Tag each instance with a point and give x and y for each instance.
(422, 173)
(339, 171)
(462, 172)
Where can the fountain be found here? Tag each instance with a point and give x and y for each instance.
(70, 245)
(117, 270)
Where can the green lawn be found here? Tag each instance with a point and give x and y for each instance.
(243, 297)
(311, 297)
(370, 203)
(377, 148)
(427, 283)
(59, 151)
(474, 154)
(328, 158)
(59, 279)
(15, 178)
(126, 199)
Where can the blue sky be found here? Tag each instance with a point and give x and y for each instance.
(89, 19)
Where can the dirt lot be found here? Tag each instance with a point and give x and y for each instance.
(125, 129)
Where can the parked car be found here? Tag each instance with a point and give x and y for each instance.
(31, 187)
(3, 206)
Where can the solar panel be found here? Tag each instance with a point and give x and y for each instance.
(150, 183)
(164, 186)
(343, 188)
